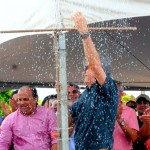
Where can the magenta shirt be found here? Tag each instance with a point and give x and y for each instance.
(34, 132)
(121, 142)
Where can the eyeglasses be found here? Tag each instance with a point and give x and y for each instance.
(74, 92)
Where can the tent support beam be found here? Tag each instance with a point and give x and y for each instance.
(70, 29)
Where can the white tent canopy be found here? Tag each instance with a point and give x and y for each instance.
(41, 14)
(45, 14)
(28, 55)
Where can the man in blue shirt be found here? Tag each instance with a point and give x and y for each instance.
(95, 111)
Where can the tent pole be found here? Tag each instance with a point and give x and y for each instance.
(70, 29)
(61, 79)
(64, 135)
(64, 141)
(57, 86)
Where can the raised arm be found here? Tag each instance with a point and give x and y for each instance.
(90, 51)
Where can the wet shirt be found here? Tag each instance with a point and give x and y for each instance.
(34, 132)
(95, 114)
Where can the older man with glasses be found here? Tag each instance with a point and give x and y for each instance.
(73, 93)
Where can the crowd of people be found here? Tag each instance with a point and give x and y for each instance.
(97, 119)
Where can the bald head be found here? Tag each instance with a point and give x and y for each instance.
(29, 89)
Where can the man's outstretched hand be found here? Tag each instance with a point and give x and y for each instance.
(80, 22)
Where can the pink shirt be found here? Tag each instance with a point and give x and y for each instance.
(121, 142)
(34, 132)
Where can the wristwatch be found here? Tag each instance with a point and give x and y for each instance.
(84, 35)
(122, 123)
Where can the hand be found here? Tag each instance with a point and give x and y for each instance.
(5, 109)
(55, 134)
(71, 130)
(147, 111)
(13, 104)
(80, 22)
(146, 116)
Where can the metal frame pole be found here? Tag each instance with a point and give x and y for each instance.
(64, 140)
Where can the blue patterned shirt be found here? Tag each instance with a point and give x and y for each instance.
(95, 115)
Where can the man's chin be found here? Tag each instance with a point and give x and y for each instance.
(24, 110)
